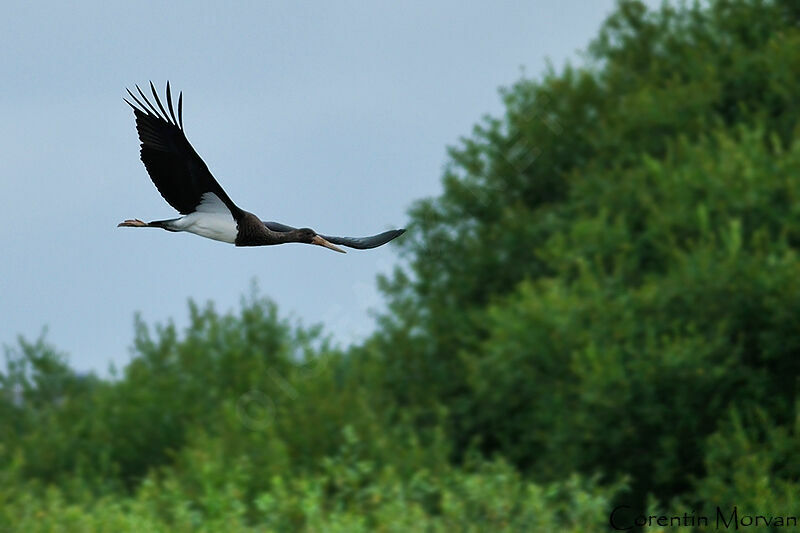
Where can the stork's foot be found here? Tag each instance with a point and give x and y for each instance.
(132, 223)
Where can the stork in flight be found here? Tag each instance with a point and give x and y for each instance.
(185, 182)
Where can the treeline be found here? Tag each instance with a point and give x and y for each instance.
(601, 309)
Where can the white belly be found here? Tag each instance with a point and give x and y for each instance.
(217, 226)
(212, 220)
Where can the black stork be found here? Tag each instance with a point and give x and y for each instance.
(185, 182)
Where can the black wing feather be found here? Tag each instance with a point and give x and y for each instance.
(179, 174)
(169, 103)
(180, 109)
(158, 101)
(359, 243)
(147, 101)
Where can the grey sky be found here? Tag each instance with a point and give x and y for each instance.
(332, 115)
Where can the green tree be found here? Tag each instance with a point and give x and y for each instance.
(612, 263)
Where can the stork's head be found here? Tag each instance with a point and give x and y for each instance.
(309, 236)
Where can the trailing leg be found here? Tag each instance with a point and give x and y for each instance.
(136, 223)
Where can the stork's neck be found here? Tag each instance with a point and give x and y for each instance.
(252, 232)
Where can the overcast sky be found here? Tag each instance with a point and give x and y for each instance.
(332, 115)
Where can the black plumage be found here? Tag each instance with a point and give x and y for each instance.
(185, 182)
(359, 243)
(179, 174)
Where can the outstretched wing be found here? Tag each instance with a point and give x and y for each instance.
(359, 243)
(175, 168)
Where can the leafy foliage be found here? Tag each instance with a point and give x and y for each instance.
(227, 427)
(612, 265)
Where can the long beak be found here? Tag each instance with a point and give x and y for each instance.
(322, 242)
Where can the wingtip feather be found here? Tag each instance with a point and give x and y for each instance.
(141, 108)
(169, 103)
(180, 109)
(158, 101)
(149, 105)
